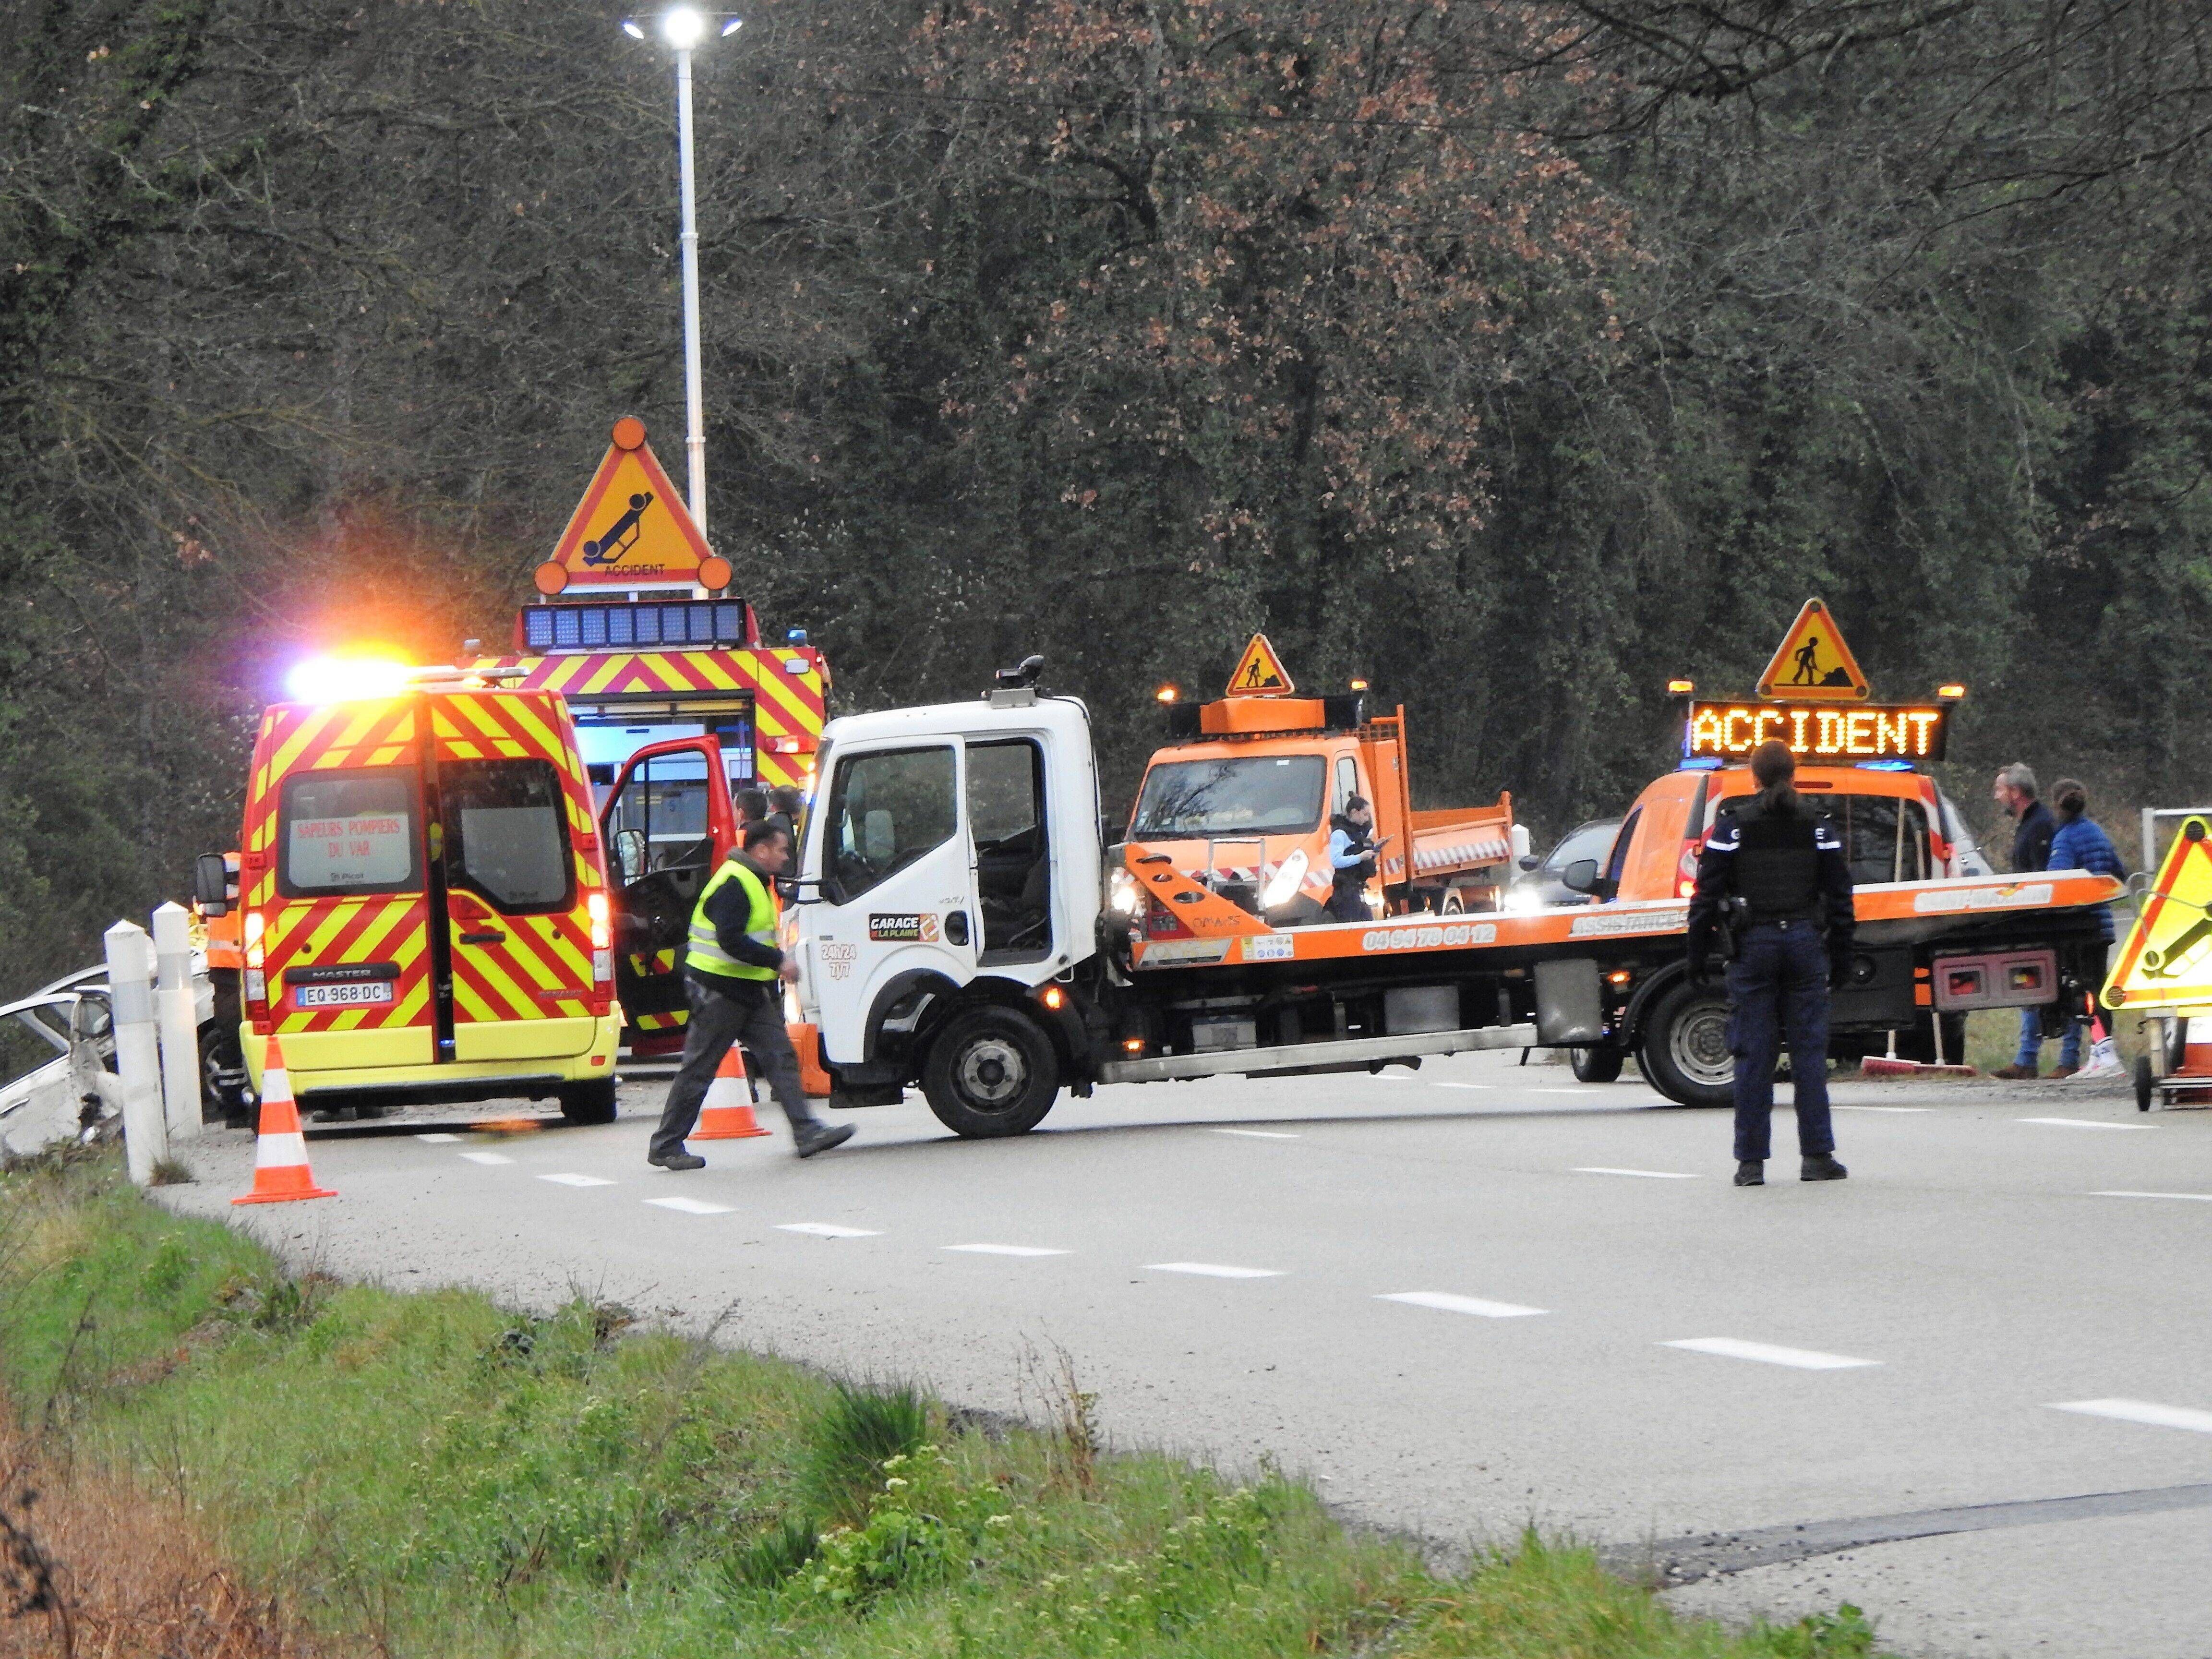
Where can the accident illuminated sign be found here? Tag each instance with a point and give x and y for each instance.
(1730, 731)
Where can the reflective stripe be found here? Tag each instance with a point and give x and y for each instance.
(704, 948)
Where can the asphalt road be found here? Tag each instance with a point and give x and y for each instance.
(1461, 1301)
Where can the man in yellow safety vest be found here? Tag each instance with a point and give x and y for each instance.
(733, 971)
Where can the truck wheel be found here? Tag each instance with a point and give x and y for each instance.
(222, 1075)
(1600, 1064)
(589, 1102)
(1454, 902)
(991, 1073)
(1685, 1053)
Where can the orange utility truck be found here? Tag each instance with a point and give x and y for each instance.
(1242, 800)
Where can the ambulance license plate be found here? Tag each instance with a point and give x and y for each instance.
(341, 995)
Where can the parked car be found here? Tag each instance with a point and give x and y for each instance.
(1539, 883)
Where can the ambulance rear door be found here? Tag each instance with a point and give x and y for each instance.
(513, 816)
(666, 825)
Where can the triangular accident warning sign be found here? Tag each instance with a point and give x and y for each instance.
(631, 529)
(1813, 665)
(1260, 671)
(2166, 958)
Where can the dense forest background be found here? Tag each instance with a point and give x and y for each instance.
(1516, 356)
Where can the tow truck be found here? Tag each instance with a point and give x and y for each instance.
(1243, 801)
(961, 925)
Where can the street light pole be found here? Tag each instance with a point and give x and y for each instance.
(695, 404)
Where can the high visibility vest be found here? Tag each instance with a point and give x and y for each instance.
(704, 949)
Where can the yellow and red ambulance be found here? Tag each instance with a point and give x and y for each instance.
(425, 909)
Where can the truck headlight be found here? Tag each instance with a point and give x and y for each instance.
(1283, 886)
(1123, 895)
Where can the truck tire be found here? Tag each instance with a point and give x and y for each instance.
(990, 1072)
(1600, 1064)
(1685, 1053)
(589, 1102)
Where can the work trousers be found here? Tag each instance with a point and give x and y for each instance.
(716, 1022)
(1778, 984)
(1347, 902)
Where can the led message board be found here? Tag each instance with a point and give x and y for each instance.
(1896, 732)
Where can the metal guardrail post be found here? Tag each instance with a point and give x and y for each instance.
(137, 1048)
(177, 1015)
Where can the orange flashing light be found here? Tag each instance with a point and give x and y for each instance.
(1359, 685)
(1951, 693)
(1680, 688)
(1166, 694)
(1053, 998)
(1132, 1045)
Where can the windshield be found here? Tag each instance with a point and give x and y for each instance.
(1250, 795)
(1588, 841)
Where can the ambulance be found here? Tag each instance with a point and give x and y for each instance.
(423, 904)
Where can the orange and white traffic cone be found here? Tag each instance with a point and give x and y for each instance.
(726, 1114)
(279, 1156)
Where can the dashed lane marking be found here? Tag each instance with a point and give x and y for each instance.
(689, 1205)
(2082, 1123)
(825, 1229)
(1441, 1084)
(1258, 1134)
(488, 1157)
(1006, 1249)
(1647, 1175)
(577, 1180)
(2200, 1198)
(1445, 1302)
(1885, 1109)
(1804, 1359)
(1211, 1270)
(2143, 1411)
(438, 1140)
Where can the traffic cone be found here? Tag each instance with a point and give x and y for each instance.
(279, 1156)
(727, 1112)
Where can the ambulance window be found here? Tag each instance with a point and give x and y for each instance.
(348, 832)
(887, 810)
(506, 834)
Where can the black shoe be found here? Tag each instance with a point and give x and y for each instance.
(677, 1161)
(821, 1137)
(1751, 1172)
(1823, 1167)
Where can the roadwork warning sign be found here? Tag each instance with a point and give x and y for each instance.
(1813, 665)
(1260, 673)
(2166, 958)
(631, 529)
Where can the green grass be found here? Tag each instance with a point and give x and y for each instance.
(434, 1474)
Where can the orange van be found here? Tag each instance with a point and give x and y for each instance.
(425, 913)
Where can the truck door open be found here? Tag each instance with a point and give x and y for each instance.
(895, 874)
(667, 823)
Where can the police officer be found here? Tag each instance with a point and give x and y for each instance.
(1781, 873)
(731, 970)
(1351, 850)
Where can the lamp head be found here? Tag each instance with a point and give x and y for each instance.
(630, 27)
(683, 27)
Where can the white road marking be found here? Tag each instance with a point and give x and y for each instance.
(1006, 1249)
(2082, 1123)
(577, 1180)
(1591, 1090)
(1387, 1077)
(1210, 1270)
(1804, 1360)
(488, 1157)
(1647, 1175)
(2143, 1411)
(1885, 1109)
(689, 1206)
(825, 1229)
(1447, 1303)
(1258, 1134)
(2200, 1198)
(1441, 1084)
(438, 1140)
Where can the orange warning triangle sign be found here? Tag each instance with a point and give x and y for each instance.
(2166, 958)
(631, 529)
(1813, 665)
(1260, 673)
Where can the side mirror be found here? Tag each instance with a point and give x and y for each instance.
(1580, 877)
(211, 884)
(1532, 862)
(629, 855)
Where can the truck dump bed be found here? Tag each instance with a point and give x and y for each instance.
(1454, 838)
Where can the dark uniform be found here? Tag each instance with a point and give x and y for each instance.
(1347, 891)
(1793, 941)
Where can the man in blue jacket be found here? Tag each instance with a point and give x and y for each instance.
(2031, 851)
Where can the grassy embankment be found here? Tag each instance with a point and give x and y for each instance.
(429, 1473)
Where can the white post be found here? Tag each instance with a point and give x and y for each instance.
(695, 404)
(137, 1048)
(177, 1013)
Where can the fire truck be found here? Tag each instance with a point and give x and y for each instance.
(960, 925)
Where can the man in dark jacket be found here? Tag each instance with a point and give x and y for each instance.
(2015, 792)
(1781, 872)
(733, 974)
